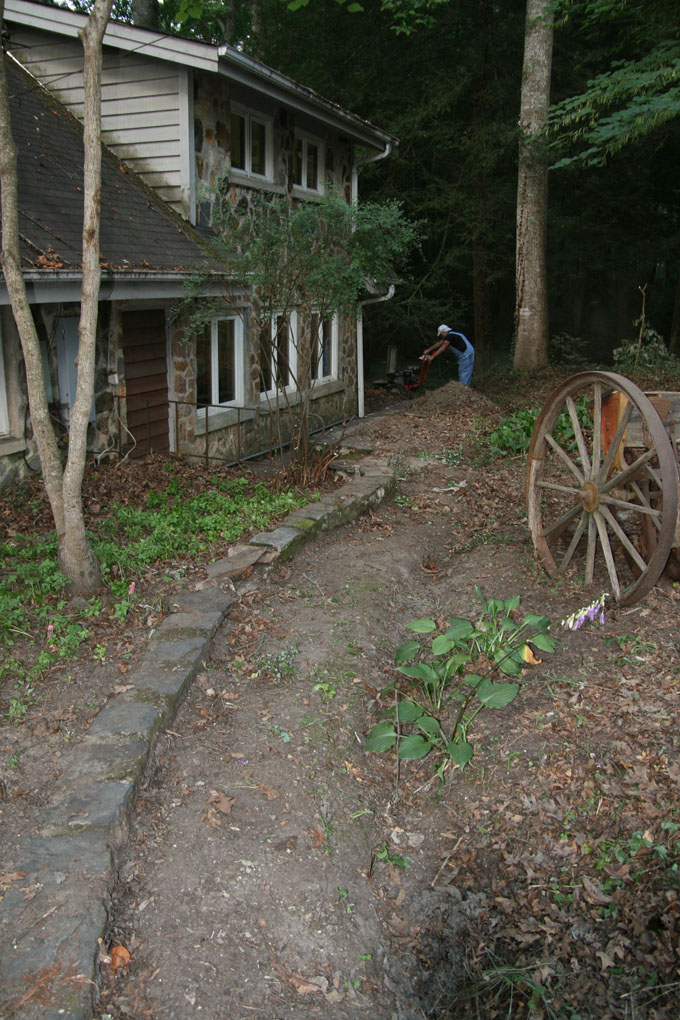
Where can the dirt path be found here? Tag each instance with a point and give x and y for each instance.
(279, 870)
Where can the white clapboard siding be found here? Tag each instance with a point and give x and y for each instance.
(141, 114)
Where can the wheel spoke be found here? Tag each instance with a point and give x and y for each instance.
(556, 487)
(565, 458)
(608, 555)
(619, 480)
(616, 441)
(623, 538)
(638, 508)
(590, 552)
(578, 435)
(578, 535)
(561, 522)
(597, 429)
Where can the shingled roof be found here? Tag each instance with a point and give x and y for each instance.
(139, 233)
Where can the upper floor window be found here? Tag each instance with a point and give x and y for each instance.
(307, 164)
(324, 346)
(219, 363)
(251, 143)
(278, 353)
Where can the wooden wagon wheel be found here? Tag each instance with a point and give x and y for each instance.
(602, 485)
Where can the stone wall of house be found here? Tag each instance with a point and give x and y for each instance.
(256, 427)
(18, 452)
(212, 146)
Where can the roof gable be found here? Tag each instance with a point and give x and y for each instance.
(138, 233)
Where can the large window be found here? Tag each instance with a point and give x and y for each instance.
(307, 164)
(278, 354)
(219, 363)
(251, 143)
(324, 347)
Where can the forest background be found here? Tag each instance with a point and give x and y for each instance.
(449, 89)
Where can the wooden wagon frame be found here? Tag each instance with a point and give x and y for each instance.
(602, 484)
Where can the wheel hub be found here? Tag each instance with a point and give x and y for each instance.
(590, 497)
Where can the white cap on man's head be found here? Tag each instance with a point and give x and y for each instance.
(443, 329)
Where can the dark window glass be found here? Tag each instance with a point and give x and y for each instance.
(312, 166)
(226, 360)
(265, 358)
(203, 373)
(238, 141)
(258, 148)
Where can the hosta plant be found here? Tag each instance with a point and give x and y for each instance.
(452, 674)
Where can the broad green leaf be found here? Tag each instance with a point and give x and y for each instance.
(544, 642)
(459, 630)
(414, 747)
(512, 603)
(442, 645)
(510, 664)
(381, 738)
(408, 711)
(472, 679)
(532, 620)
(496, 695)
(428, 724)
(420, 672)
(507, 624)
(460, 752)
(422, 626)
(407, 651)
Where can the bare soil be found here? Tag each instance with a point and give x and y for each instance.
(277, 869)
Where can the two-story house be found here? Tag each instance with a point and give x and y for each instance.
(179, 116)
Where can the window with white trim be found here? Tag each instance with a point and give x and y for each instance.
(323, 346)
(278, 354)
(4, 412)
(219, 363)
(251, 143)
(307, 164)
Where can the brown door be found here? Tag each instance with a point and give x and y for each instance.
(146, 382)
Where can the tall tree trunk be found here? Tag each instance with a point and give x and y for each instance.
(531, 294)
(145, 13)
(76, 557)
(674, 339)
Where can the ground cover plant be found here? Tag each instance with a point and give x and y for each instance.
(182, 517)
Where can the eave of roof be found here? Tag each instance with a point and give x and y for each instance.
(205, 57)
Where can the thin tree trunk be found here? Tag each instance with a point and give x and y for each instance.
(531, 295)
(64, 488)
(48, 450)
(76, 557)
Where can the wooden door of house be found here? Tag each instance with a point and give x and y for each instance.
(146, 382)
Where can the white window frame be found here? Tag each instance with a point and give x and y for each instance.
(4, 410)
(307, 140)
(291, 386)
(320, 376)
(214, 364)
(249, 117)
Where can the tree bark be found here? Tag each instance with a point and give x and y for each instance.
(531, 283)
(64, 488)
(674, 339)
(145, 13)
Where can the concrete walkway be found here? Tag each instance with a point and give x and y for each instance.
(50, 934)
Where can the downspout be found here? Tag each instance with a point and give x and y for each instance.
(354, 196)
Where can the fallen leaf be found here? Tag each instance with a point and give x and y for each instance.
(120, 957)
(529, 656)
(12, 876)
(222, 803)
(269, 791)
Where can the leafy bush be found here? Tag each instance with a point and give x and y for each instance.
(570, 351)
(423, 721)
(647, 353)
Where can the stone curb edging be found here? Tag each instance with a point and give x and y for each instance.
(59, 909)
